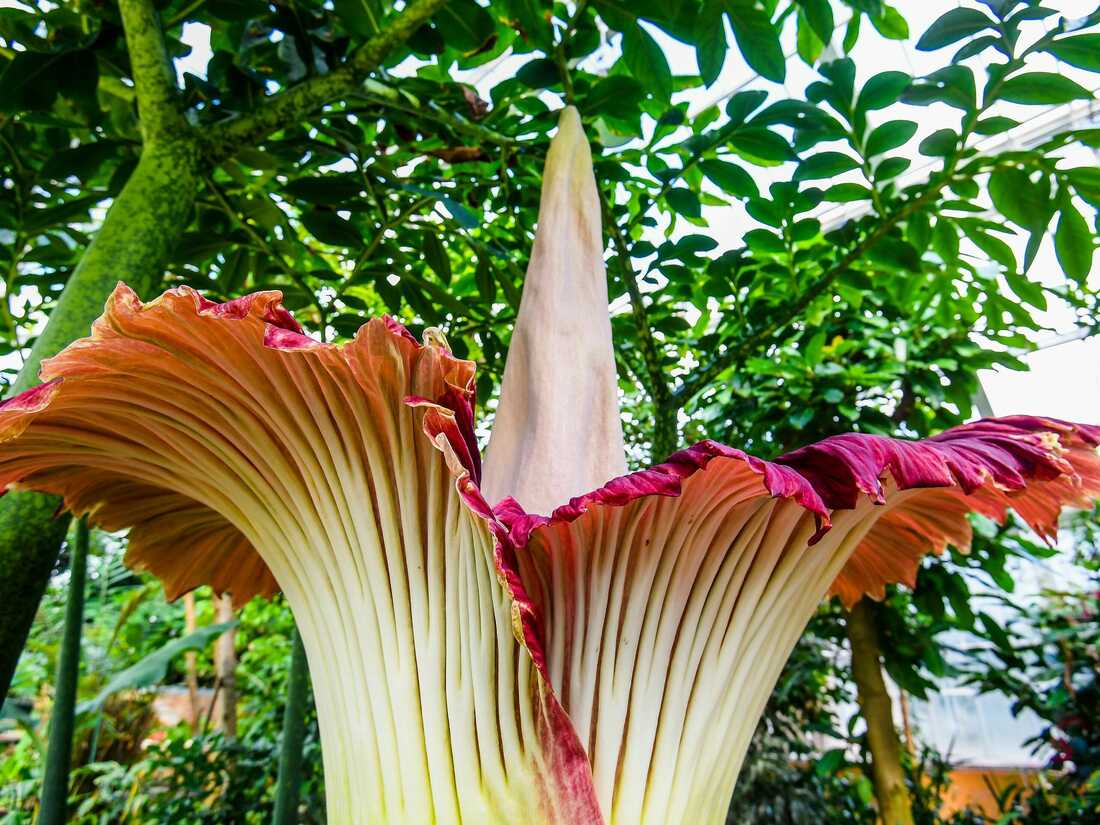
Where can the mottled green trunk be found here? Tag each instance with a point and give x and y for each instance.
(294, 736)
(137, 236)
(895, 806)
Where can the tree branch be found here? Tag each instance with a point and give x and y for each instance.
(263, 246)
(703, 376)
(288, 107)
(154, 80)
(664, 405)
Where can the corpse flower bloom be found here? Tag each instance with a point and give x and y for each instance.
(479, 653)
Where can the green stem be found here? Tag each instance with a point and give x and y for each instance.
(134, 243)
(294, 734)
(290, 106)
(664, 406)
(55, 782)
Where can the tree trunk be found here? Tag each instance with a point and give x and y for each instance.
(138, 234)
(887, 775)
(225, 664)
(294, 735)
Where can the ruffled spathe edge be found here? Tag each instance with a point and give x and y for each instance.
(1030, 464)
(450, 427)
(989, 464)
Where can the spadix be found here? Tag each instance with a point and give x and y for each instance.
(605, 663)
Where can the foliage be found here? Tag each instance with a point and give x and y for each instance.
(865, 294)
(1046, 660)
(182, 776)
(418, 198)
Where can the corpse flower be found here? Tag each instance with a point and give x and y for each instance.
(486, 649)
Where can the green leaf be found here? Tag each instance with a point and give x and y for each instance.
(684, 201)
(807, 43)
(1019, 199)
(891, 167)
(1026, 290)
(976, 47)
(691, 245)
(436, 256)
(890, 24)
(465, 26)
(995, 125)
(952, 27)
(945, 240)
(761, 144)
(31, 81)
(1073, 242)
(240, 10)
(991, 245)
(890, 135)
(831, 762)
(534, 26)
(362, 17)
(82, 161)
(757, 39)
(825, 165)
(763, 241)
(995, 632)
(882, 90)
(647, 62)
(71, 211)
(847, 192)
(814, 347)
(427, 41)
(541, 73)
(328, 189)
(953, 85)
(617, 96)
(710, 47)
(743, 104)
(895, 253)
(463, 216)
(483, 277)
(805, 229)
(842, 77)
(851, 33)
(1038, 88)
(730, 178)
(330, 228)
(766, 211)
(153, 667)
(1086, 180)
(234, 272)
(940, 143)
(819, 14)
(1082, 51)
